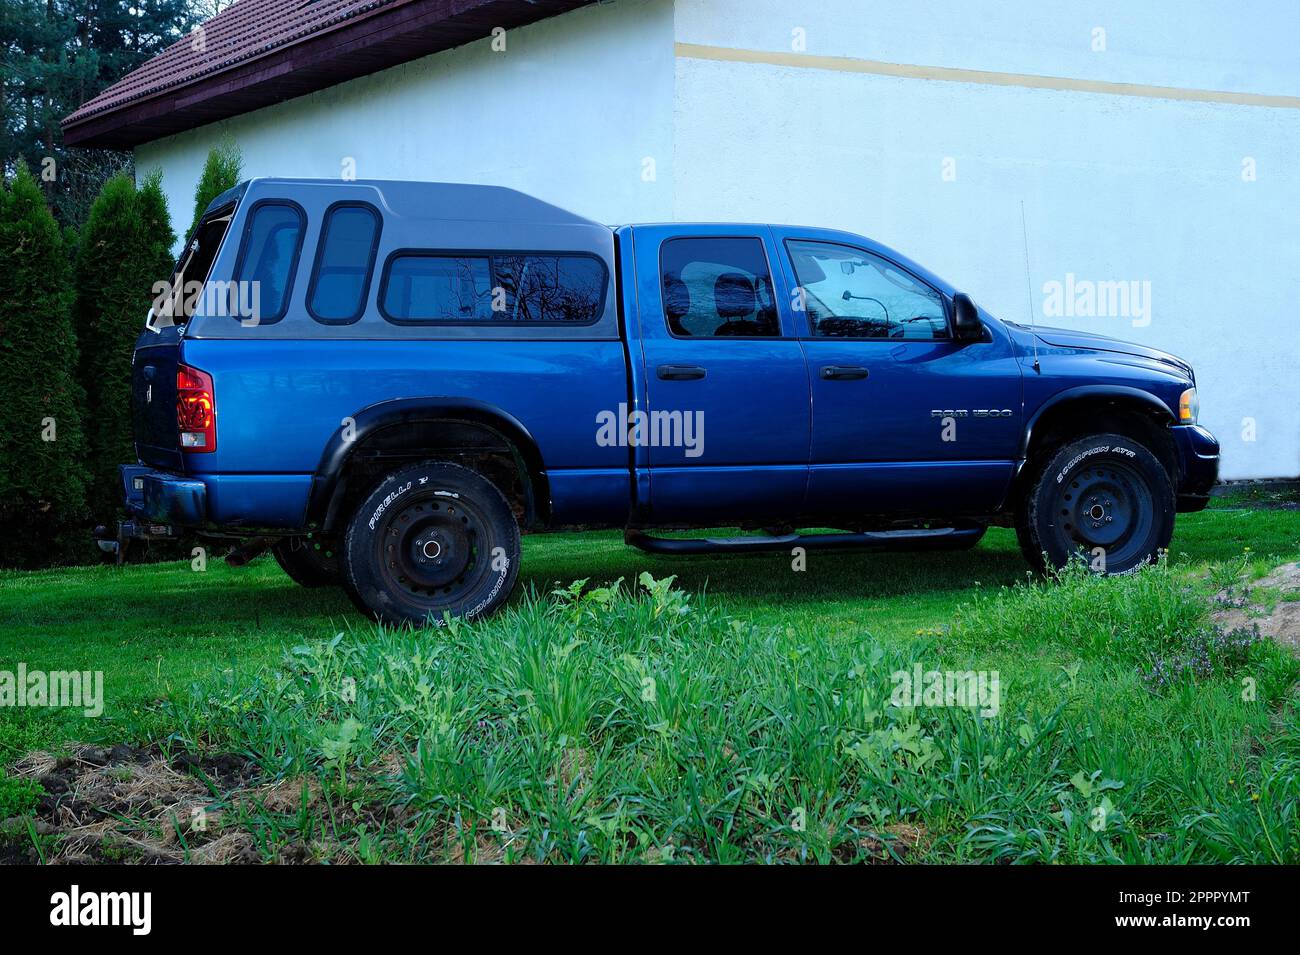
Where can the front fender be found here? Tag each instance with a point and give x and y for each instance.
(1094, 392)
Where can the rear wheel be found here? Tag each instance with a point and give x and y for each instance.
(309, 562)
(1106, 498)
(432, 539)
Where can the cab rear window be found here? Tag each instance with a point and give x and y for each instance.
(525, 288)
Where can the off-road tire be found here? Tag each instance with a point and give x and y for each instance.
(431, 539)
(309, 561)
(1105, 491)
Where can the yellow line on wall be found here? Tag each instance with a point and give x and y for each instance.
(845, 64)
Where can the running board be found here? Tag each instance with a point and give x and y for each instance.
(912, 538)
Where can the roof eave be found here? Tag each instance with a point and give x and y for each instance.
(347, 51)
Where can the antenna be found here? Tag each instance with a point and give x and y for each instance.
(1029, 287)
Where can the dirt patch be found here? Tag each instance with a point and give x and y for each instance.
(1285, 578)
(897, 840)
(1261, 495)
(884, 846)
(1243, 609)
(129, 804)
(290, 795)
(124, 804)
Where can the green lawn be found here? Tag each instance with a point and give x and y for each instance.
(767, 732)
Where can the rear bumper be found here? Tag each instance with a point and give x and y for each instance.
(239, 504)
(162, 498)
(1198, 466)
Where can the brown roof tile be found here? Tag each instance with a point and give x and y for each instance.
(256, 52)
(243, 31)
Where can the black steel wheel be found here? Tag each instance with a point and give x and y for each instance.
(1106, 498)
(432, 539)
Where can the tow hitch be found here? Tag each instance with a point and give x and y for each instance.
(246, 551)
(118, 542)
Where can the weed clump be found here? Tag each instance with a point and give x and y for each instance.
(1154, 620)
(1208, 653)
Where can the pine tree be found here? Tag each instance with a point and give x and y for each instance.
(54, 56)
(221, 171)
(42, 451)
(124, 250)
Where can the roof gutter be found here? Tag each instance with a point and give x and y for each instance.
(346, 50)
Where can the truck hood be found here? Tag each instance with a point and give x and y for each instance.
(1070, 338)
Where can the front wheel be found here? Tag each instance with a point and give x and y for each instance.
(432, 539)
(1106, 498)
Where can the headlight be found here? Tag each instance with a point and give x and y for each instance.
(1189, 407)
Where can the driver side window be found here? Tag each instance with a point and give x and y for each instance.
(849, 293)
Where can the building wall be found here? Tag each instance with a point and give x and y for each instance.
(1115, 187)
(645, 110)
(569, 112)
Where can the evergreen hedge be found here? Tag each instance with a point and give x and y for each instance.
(221, 171)
(124, 248)
(42, 449)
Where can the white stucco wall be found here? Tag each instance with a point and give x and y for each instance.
(1115, 187)
(568, 112)
(1137, 188)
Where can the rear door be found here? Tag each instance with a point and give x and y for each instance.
(723, 429)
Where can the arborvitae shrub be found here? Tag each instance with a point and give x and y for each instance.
(125, 247)
(42, 450)
(221, 171)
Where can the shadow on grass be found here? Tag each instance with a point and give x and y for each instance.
(169, 597)
(829, 575)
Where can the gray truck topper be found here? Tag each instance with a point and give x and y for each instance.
(446, 200)
(438, 216)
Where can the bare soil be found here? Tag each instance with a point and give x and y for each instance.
(130, 804)
(1282, 621)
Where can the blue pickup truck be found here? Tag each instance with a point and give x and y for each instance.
(386, 383)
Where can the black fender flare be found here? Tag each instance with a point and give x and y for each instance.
(327, 487)
(1124, 392)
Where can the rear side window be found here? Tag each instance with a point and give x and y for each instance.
(551, 288)
(501, 287)
(344, 259)
(717, 287)
(437, 288)
(267, 262)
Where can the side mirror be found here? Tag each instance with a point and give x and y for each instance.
(966, 323)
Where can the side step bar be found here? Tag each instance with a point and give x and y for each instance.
(866, 540)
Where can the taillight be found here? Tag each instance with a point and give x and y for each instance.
(196, 409)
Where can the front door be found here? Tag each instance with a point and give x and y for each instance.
(905, 418)
(723, 381)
